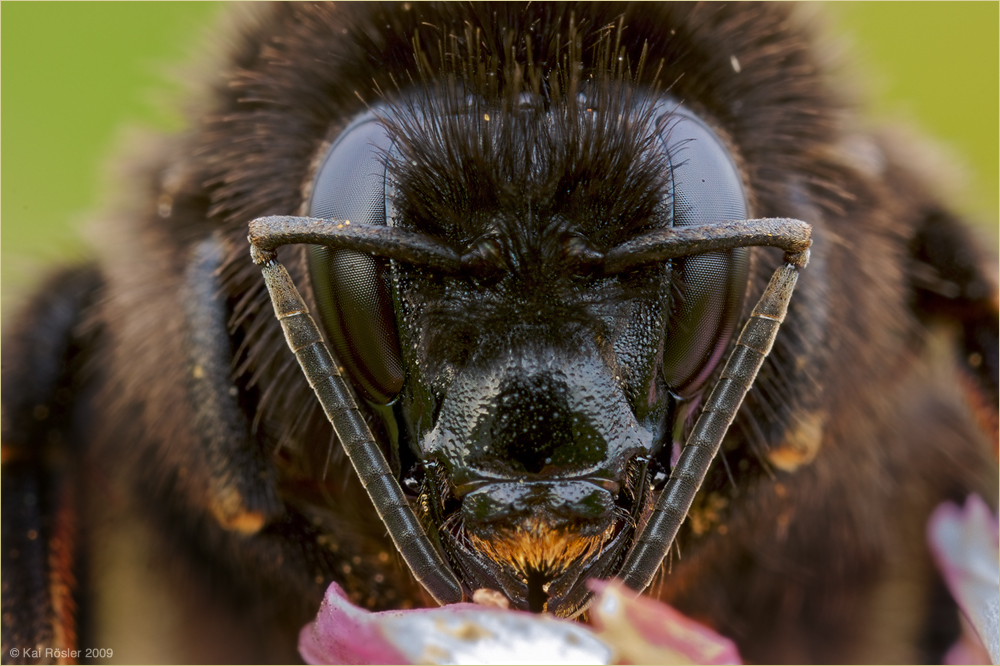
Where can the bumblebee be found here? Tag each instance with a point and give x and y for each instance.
(547, 249)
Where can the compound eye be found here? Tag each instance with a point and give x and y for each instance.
(351, 289)
(710, 287)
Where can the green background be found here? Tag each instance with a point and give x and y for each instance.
(75, 74)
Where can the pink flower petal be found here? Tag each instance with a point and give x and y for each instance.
(644, 631)
(457, 634)
(964, 543)
(968, 649)
(628, 629)
(343, 634)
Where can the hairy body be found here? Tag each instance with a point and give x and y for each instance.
(189, 490)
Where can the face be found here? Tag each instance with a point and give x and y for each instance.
(534, 395)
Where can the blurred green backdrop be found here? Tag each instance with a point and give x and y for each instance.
(75, 73)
